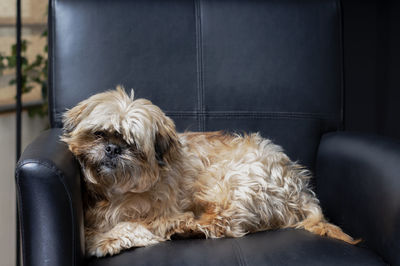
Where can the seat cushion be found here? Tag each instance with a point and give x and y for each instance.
(281, 247)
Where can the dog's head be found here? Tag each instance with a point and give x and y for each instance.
(121, 143)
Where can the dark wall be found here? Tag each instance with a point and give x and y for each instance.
(372, 66)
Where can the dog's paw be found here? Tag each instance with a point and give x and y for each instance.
(122, 237)
(105, 247)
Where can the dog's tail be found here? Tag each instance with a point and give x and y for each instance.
(316, 223)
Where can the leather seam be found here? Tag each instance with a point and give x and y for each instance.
(241, 258)
(199, 66)
(230, 115)
(61, 178)
(256, 114)
(247, 113)
(266, 117)
(202, 67)
(53, 44)
(342, 66)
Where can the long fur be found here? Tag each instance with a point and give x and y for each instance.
(164, 183)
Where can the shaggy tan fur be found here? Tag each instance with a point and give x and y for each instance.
(158, 183)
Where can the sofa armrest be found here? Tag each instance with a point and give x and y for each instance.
(358, 184)
(50, 203)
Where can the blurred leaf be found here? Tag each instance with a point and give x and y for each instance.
(27, 89)
(24, 60)
(24, 45)
(37, 80)
(12, 61)
(34, 72)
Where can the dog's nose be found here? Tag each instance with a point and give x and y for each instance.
(112, 150)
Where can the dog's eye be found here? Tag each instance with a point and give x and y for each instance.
(99, 134)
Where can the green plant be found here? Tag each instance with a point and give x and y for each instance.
(33, 73)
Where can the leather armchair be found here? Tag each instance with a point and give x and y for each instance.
(269, 66)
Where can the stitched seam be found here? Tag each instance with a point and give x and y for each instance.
(240, 256)
(244, 114)
(61, 178)
(197, 63)
(199, 66)
(202, 67)
(238, 114)
(53, 60)
(265, 117)
(256, 117)
(342, 66)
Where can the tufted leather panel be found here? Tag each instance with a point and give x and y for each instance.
(358, 183)
(268, 66)
(282, 247)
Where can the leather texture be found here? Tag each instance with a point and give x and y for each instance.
(269, 66)
(358, 183)
(282, 247)
(50, 203)
(273, 67)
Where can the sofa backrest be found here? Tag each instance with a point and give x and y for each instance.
(273, 67)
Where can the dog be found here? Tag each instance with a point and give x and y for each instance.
(145, 182)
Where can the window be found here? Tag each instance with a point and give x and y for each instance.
(34, 19)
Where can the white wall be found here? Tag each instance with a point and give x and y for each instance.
(31, 128)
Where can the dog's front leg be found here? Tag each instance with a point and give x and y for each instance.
(181, 223)
(123, 236)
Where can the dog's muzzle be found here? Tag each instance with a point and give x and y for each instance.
(112, 150)
(108, 164)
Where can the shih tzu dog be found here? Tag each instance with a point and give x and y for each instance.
(145, 182)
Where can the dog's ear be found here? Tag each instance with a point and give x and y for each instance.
(161, 147)
(74, 116)
(166, 142)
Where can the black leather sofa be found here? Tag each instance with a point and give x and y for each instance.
(275, 67)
